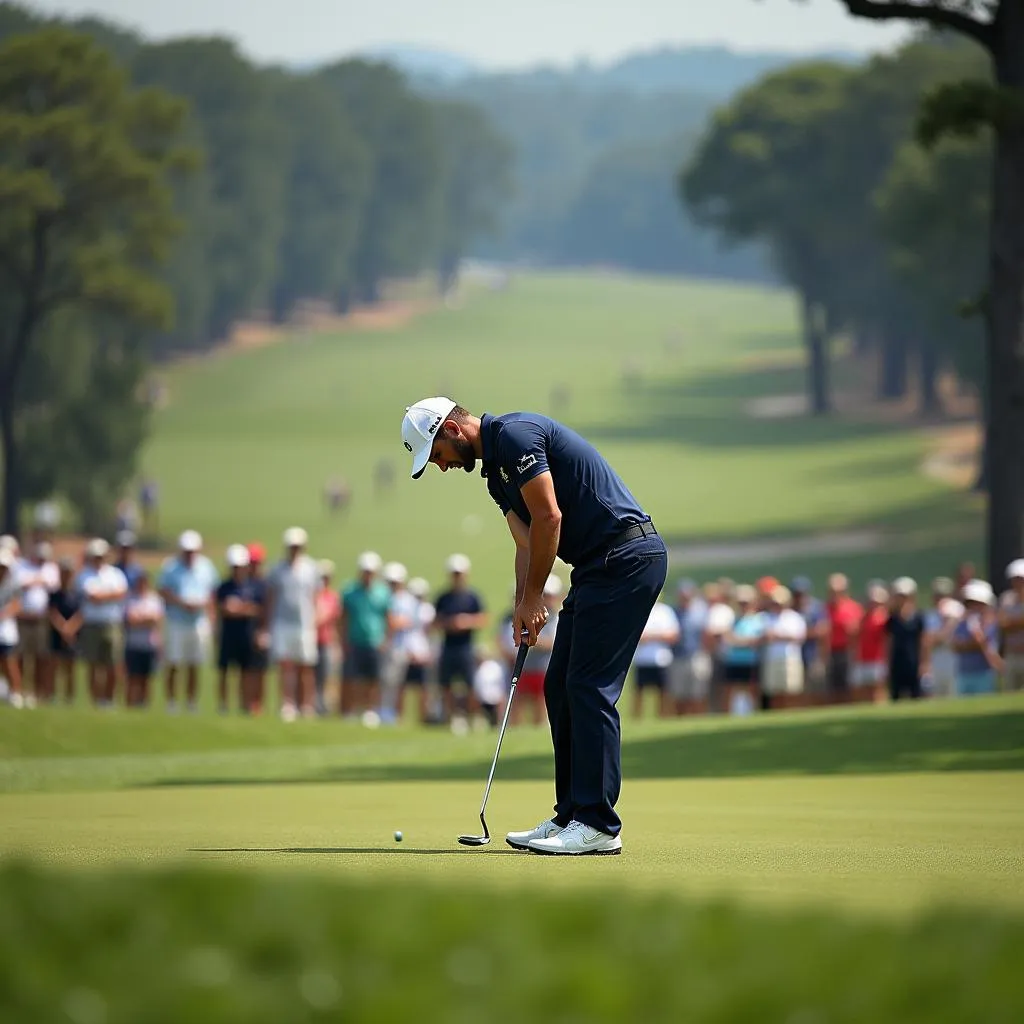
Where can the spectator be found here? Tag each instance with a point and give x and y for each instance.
(871, 668)
(690, 675)
(1011, 622)
(365, 604)
(418, 646)
(815, 648)
(65, 622)
(103, 590)
(965, 572)
(741, 652)
(976, 641)
(905, 629)
(126, 516)
(39, 577)
(127, 560)
(490, 688)
(291, 616)
(10, 606)
(401, 623)
(238, 617)
(328, 614)
(531, 683)
(261, 638)
(844, 616)
(782, 665)
(188, 584)
(337, 495)
(460, 613)
(653, 657)
(939, 668)
(718, 624)
(149, 503)
(144, 617)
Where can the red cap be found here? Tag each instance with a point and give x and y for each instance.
(257, 552)
(766, 584)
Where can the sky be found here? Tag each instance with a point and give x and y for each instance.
(494, 33)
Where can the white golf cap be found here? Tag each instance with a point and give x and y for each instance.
(458, 563)
(1015, 570)
(44, 550)
(6, 557)
(395, 572)
(978, 590)
(9, 543)
(904, 586)
(325, 567)
(237, 556)
(97, 548)
(190, 541)
(419, 587)
(295, 537)
(419, 427)
(552, 586)
(369, 561)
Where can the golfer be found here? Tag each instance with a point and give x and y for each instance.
(560, 497)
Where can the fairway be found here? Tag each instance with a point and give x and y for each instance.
(659, 373)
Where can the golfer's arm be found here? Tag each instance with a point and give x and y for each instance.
(521, 535)
(545, 530)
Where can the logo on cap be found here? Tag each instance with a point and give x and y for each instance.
(408, 447)
(434, 426)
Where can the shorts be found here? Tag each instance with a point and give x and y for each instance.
(689, 677)
(393, 667)
(740, 675)
(293, 644)
(943, 673)
(101, 644)
(654, 676)
(782, 675)
(415, 675)
(235, 654)
(8, 650)
(362, 663)
(868, 673)
(140, 663)
(458, 664)
(838, 674)
(531, 684)
(1013, 673)
(188, 643)
(34, 637)
(970, 684)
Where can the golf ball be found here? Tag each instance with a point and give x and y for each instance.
(398, 837)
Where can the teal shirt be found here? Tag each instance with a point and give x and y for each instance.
(366, 609)
(748, 627)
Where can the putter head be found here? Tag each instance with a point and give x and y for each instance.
(477, 840)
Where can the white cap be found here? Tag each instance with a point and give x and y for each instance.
(877, 592)
(369, 561)
(951, 608)
(978, 590)
(126, 539)
(395, 572)
(190, 541)
(419, 427)
(44, 550)
(6, 557)
(1015, 570)
(237, 556)
(418, 587)
(325, 567)
(9, 543)
(904, 586)
(552, 586)
(97, 548)
(458, 563)
(295, 537)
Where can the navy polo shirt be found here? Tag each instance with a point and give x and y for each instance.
(596, 505)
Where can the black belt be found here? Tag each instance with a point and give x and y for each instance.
(634, 532)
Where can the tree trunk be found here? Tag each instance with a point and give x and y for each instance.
(928, 367)
(818, 390)
(11, 482)
(1005, 370)
(893, 357)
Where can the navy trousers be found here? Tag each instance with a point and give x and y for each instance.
(599, 627)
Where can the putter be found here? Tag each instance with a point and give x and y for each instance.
(516, 673)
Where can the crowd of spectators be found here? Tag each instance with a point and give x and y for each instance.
(354, 650)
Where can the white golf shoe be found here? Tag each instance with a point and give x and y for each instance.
(522, 840)
(578, 839)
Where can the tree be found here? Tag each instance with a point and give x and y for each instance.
(85, 210)
(477, 164)
(766, 169)
(998, 27)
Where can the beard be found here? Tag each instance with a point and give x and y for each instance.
(465, 453)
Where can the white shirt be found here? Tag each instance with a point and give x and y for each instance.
(106, 580)
(937, 619)
(295, 585)
(719, 620)
(791, 629)
(404, 606)
(489, 683)
(1010, 602)
(663, 621)
(37, 582)
(417, 643)
(144, 638)
(10, 591)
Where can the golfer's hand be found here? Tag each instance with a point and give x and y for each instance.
(530, 617)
